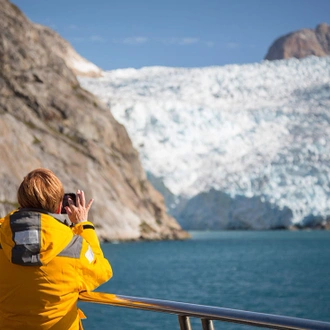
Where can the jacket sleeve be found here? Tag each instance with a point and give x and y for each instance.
(94, 268)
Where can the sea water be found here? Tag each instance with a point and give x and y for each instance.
(278, 272)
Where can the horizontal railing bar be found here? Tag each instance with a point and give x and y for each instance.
(206, 312)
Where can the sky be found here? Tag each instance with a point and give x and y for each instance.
(117, 34)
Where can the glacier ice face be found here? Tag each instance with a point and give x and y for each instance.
(258, 129)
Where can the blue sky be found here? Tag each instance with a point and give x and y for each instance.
(178, 33)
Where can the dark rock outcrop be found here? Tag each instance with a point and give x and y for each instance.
(48, 120)
(302, 43)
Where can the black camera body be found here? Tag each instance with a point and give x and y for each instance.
(65, 201)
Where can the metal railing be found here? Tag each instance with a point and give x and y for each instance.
(207, 314)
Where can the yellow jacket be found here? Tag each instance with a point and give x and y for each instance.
(44, 264)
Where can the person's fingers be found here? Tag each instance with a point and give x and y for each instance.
(68, 211)
(79, 212)
(78, 198)
(71, 204)
(89, 204)
(83, 202)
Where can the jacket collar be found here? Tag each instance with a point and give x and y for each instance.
(59, 217)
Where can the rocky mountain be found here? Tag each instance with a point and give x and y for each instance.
(48, 120)
(238, 146)
(302, 43)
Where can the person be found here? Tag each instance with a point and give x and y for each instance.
(44, 262)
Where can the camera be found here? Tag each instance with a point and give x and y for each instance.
(65, 201)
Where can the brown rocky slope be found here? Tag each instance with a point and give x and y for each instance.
(48, 120)
(302, 43)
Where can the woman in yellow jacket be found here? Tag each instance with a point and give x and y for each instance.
(44, 262)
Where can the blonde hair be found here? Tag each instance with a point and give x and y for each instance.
(41, 189)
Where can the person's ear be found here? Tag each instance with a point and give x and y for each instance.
(58, 211)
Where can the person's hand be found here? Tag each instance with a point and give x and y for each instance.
(79, 212)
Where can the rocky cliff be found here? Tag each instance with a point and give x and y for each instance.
(48, 120)
(302, 43)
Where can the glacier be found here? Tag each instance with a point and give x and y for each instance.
(253, 131)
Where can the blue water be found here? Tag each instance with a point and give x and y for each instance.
(277, 272)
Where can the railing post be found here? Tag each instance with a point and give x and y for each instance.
(184, 322)
(207, 324)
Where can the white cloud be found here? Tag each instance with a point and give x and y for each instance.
(93, 38)
(168, 40)
(134, 40)
(209, 43)
(180, 41)
(188, 41)
(96, 38)
(232, 45)
(78, 39)
(184, 41)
